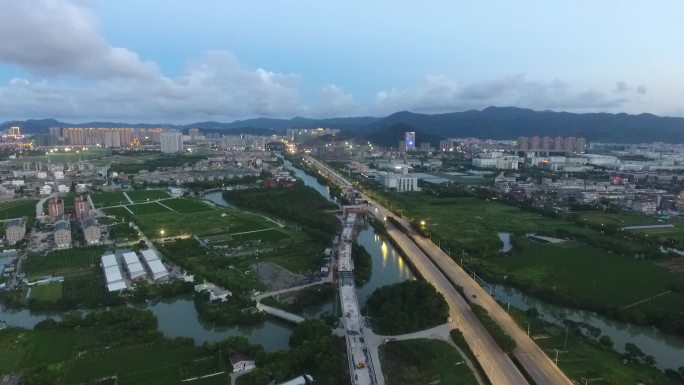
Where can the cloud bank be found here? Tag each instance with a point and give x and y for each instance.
(73, 72)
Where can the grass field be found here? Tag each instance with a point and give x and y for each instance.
(147, 208)
(118, 211)
(472, 223)
(63, 262)
(49, 293)
(584, 358)
(143, 365)
(269, 235)
(423, 361)
(144, 195)
(105, 199)
(589, 273)
(17, 209)
(214, 221)
(149, 364)
(184, 205)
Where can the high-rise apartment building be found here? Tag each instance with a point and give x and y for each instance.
(55, 208)
(81, 207)
(410, 141)
(171, 142)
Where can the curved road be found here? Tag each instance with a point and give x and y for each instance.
(440, 270)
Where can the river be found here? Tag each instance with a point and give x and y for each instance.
(668, 350)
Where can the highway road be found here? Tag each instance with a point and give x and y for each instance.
(440, 270)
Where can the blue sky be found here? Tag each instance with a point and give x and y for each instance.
(183, 61)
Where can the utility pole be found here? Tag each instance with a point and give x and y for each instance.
(556, 356)
(565, 345)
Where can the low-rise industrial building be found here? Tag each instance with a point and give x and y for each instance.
(134, 267)
(113, 277)
(155, 267)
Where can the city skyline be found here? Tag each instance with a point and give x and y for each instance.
(225, 62)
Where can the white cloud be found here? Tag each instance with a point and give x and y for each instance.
(438, 93)
(53, 37)
(74, 73)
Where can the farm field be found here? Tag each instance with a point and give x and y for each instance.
(193, 217)
(118, 211)
(472, 224)
(423, 361)
(141, 365)
(153, 362)
(144, 195)
(147, 208)
(48, 293)
(105, 199)
(18, 208)
(63, 262)
(588, 274)
(185, 205)
(583, 357)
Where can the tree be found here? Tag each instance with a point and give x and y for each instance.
(606, 342)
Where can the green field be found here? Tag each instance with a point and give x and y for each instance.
(63, 262)
(269, 235)
(184, 205)
(154, 365)
(49, 293)
(17, 209)
(423, 361)
(585, 358)
(118, 211)
(204, 223)
(144, 195)
(587, 274)
(147, 208)
(129, 348)
(105, 199)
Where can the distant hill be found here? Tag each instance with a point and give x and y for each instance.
(510, 123)
(390, 136)
(492, 122)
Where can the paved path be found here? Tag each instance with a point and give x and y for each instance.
(127, 197)
(290, 289)
(41, 203)
(282, 314)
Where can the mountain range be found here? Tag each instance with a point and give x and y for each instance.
(491, 122)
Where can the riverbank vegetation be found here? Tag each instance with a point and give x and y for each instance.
(406, 307)
(296, 302)
(423, 361)
(299, 204)
(587, 353)
(313, 350)
(122, 344)
(363, 264)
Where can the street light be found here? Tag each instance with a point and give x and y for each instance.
(422, 223)
(162, 233)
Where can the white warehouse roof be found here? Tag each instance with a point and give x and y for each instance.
(108, 260)
(149, 255)
(113, 274)
(130, 258)
(133, 265)
(157, 268)
(117, 286)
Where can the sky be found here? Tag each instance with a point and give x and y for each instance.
(182, 61)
